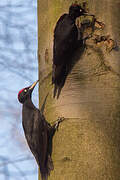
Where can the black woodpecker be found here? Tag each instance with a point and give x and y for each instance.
(38, 131)
(65, 42)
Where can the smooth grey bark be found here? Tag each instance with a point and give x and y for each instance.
(87, 145)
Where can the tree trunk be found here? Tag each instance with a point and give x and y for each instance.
(87, 144)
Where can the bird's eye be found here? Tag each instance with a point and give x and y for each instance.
(25, 90)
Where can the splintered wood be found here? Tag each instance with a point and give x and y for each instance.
(91, 26)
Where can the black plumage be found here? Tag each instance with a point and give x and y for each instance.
(38, 131)
(65, 42)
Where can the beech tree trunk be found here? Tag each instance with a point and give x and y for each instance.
(87, 144)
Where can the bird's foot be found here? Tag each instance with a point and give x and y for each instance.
(59, 120)
(87, 37)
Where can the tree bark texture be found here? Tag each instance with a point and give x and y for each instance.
(87, 144)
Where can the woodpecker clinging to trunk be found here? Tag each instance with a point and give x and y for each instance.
(38, 131)
(65, 42)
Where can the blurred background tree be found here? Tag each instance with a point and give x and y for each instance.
(18, 68)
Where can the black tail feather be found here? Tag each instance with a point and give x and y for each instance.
(50, 165)
(59, 75)
(45, 172)
(59, 91)
(55, 91)
(43, 105)
(44, 176)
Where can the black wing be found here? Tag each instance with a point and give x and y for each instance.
(65, 37)
(37, 139)
(59, 22)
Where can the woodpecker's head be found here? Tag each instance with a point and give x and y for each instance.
(25, 93)
(76, 10)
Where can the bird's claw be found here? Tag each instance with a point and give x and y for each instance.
(88, 37)
(59, 120)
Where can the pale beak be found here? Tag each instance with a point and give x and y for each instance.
(33, 85)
